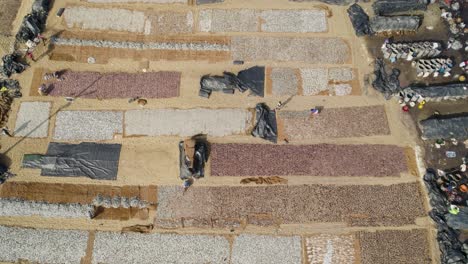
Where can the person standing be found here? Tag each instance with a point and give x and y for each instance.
(6, 131)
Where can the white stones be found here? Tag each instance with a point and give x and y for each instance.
(341, 89)
(330, 249)
(301, 21)
(88, 125)
(248, 249)
(126, 248)
(33, 120)
(314, 80)
(251, 20)
(105, 19)
(42, 245)
(187, 46)
(344, 74)
(17, 207)
(177, 122)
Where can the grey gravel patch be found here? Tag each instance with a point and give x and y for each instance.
(314, 80)
(294, 21)
(248, 249)
(220, 20)
(340, 74)
(105, 19)
(18, 207)
(42, 245)
(140, 45)
(159, 248)
(167, 122)
(341, 89)
(310, 50)
(33, 120)
(87, 125)
(284, 81)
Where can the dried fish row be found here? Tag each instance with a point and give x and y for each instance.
(411, 51)
(426, 67)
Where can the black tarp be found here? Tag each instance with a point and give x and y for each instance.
(93, 160)
(34, 23)
(200, 157)
(387, 84)
(265, 126)
(385, 7)
(445, 126)
(252, 79)
(441, 90)
(450, 246)
(11, 65)
(9, 83)
(459, 221)
(359, 20)
(381, 24)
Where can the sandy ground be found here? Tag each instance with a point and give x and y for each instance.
(154, 160)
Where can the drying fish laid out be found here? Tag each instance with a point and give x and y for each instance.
(411, 51)
(436, 67)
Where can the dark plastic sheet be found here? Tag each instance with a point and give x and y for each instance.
(360, 20)
(265, 126)
(93, 160)
(448, 126)
(436, 91)
(385, 7)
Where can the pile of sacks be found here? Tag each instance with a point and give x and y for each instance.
(119, 202)
(410, 51)
(436, 67)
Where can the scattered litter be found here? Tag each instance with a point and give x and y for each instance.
(142, 102)
(60, 12)
(450, 154)
(91, 60)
